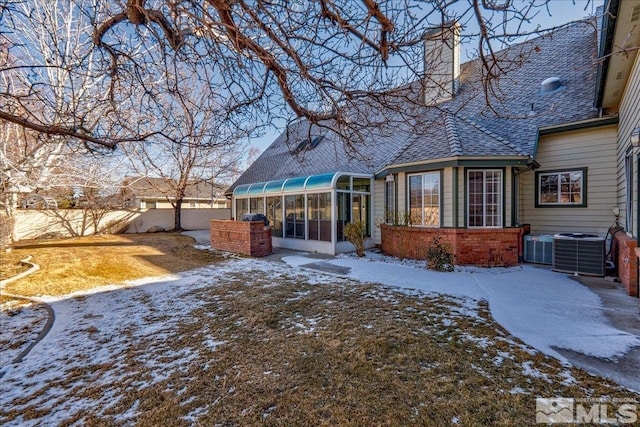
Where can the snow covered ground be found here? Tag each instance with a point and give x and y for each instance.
(96, 332)
(545, 309)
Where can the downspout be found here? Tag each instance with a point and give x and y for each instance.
(516, 172)
(520, 245)
(514, 215)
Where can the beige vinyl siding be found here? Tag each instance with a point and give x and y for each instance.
(594, 149)
(508, 197)
(378, 209)
(447, 198)
(629, 119)
(462, 210)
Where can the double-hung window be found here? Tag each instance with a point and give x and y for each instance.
(390, 213)
(484, 198)
(424, 199)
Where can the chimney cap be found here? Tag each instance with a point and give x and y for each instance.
(437, 30)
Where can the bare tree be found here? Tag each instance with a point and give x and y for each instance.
(258, 59)
(197, 144)
(49, 76)
(52, 76)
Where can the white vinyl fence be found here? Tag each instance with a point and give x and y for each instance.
(33, 224)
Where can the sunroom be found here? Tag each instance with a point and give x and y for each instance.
(309, 212)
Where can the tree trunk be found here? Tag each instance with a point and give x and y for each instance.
(177, 225)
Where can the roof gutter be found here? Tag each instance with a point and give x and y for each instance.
(606, 45)
(583, 124)
(455, 162)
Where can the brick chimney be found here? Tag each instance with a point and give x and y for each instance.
(441, 62)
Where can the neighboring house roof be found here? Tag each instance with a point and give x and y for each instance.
(463, 126)
(162, 188)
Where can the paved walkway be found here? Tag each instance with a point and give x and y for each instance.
(623, 312)
(617, 311)
(202, 237)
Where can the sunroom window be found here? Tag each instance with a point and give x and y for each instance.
(312, 208)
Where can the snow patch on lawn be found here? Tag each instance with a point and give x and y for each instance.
(27, 319)
(545, 309)
(97, 331)
(92, 338)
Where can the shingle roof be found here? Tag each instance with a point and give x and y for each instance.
(159, 188)
(463, 126)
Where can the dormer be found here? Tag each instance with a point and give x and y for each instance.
(441, 62)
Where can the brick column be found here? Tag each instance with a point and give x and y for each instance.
(244, 237)
(626, 261)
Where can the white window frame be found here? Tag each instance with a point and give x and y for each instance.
(390, 210)
(500, 198)
(422, 208)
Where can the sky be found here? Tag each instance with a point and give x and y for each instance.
(560, 12)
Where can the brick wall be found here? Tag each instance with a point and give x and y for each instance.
(481, 247)
(243, 237)
(623, 251)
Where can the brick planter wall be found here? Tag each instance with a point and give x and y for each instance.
(243, 237)
(481, 247)
(623, 252)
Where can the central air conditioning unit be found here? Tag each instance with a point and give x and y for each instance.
(538, 249)
(579, 253)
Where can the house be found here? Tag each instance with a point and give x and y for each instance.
(547, 157)
(159, 193)
(618, 95)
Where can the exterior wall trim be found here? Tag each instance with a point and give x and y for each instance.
(441, 164)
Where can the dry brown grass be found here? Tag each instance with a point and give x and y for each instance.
(75, 264)
(10, 265)
(296, 353)
(293, 352)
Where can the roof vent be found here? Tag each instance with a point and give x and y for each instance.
(315, 141)
(551, 85)
(308, 143)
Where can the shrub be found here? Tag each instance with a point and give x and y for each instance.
(439, 256)
(355, 233)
